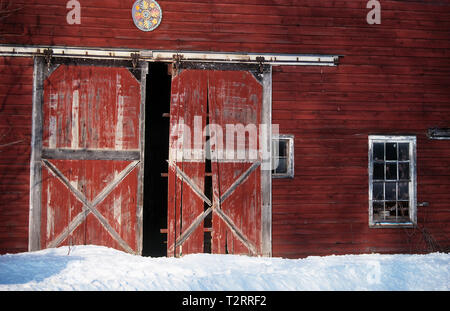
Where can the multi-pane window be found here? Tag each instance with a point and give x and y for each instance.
(392, 180)
(283, 156)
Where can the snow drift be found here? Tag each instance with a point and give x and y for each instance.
(100, 268)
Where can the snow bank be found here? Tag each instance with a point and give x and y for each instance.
(101, 268)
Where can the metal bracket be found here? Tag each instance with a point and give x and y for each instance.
(176, 63)
(135, 59)
(261, 60)
(336, 60)
(48, 54)
(438, 133)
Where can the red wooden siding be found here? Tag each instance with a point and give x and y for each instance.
(324, 209)
(16, 85)
(308, 26)
(393, 79)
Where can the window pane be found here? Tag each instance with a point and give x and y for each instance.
(378, 171)
(403, 191)
(282, 156)
(282, 147)
(377, 191)
(390, 191)
(391, 171)
(403, 170)
(282, 166)
(391, 207)
(392, 179)
(378, 208)
(391, 151)
(378, 151)
(403, 151)
(275, 148)
(403, 210)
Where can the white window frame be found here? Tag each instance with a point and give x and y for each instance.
(290, 155)
(412, 140)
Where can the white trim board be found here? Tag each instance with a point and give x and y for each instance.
(168, 56)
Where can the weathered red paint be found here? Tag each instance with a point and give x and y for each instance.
(233, 97)
(392, 79)
(90, 108)
(107, 115)
(188, 99)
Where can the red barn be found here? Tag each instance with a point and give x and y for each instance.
(144, 126)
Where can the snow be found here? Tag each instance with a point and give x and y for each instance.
(93, 268)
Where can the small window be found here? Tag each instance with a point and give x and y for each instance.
(392, 180)
(283, 156)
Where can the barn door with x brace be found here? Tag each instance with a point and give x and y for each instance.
(88, 154)
(218, 113)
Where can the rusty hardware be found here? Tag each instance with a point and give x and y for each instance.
(177, 63)
(438, 133)
(48, 54)
(135, 59)
(260, 60)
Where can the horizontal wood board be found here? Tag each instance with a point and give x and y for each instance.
(393, 78)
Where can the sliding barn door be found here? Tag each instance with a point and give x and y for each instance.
(90, 159)
(219, 196)
(235, 99)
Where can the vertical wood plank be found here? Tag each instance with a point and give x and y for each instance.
(266, 173)
(140, 191)
(219, 236)
(173, 183)
(36, 151)
(188, 107)
(193, 158)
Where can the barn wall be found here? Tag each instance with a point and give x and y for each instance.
(393, 78)
(16, 85)
(324, 209)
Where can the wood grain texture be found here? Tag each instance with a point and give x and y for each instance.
(231, 97)
(236, 98)
(16, 81)
(91, 126)
(188, 100)
(392, 79)
(324, 209)
(189, 103)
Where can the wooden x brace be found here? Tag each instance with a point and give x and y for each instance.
(214, 207)
(90, 207)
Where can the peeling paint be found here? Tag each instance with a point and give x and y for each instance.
(75, 120)
(118, 209)
(119, 123)
(52, 132)
(50, 214)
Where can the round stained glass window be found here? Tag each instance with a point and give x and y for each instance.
(147, 14)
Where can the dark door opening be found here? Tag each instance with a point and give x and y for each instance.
(156, 155)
